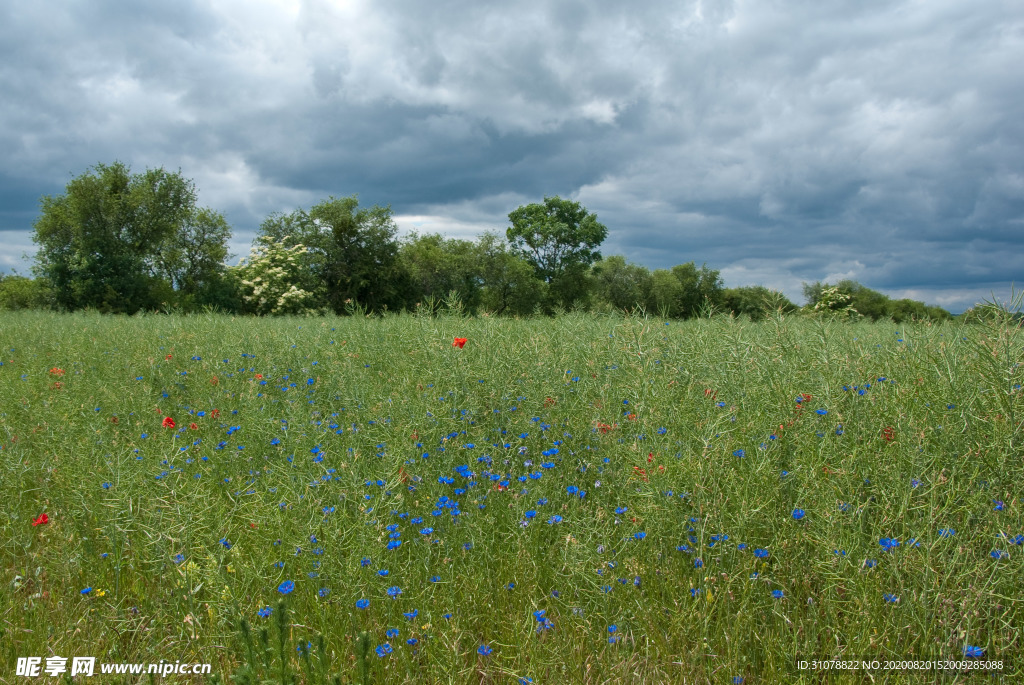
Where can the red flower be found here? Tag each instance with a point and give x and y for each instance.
(43, 518)
(888, 433)
(459, 343)
(215, 413)
(193, 426)
(56, 372)
(168, 422)
(168, 356)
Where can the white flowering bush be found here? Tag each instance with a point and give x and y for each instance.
(835, 301)
(271, 279)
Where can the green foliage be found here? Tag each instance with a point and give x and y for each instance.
(847, 295)
(352, 253)
(272, 279)
(701, 290)
(19, 292)
(756, 302)
(121, 242)
(437, 266)
(560, 239)
(621, 286)
(510, 285)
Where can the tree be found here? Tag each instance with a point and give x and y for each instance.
(18, 292)
(352, 253)
(193, 258)
(702, 288)
(560, 240)
(756, 301)
(109, 242)
(621, 285)
(666, 294)
(510, 283)
(436, 266)
(270, 279)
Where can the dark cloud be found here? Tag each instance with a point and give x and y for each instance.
(780, 141)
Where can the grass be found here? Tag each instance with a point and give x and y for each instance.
(670, 452)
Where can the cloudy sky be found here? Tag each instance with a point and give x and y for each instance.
(779, 141)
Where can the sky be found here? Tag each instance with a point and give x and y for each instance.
(778, 141)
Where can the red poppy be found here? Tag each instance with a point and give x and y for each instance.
(549, 401)
(213, 381)
(888, 433)
(168, 422)
(215, 413)
(168, 356)
(43, 518)
(57, 385)
(459, 343)
(259, 375)
(56, 372)
(193, 426)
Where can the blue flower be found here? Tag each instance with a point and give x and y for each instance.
(483, 650)
(362, 603)
(739, 453)
(621, 510)
(394, 591)
(822, 412)
(323, 592)
(286, 587)
(264, 612)
(760, 553)
(998, 554)
(391, 632)
(947, 532)
(973, 652)
(178, 558)
(798, 514)
(383, 650)
(226, 543)
(86, 591)
(640, 535)
(778, 594)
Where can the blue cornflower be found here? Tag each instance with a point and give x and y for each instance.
(383, 650)
(411, 614)
(555, 519)
(391, 632)
(821, 412)
(394, 591)
(483, 650)
(914, 482)
(362, 603)
(178, 558)
(383, 573)
(798, 514)
(621, 510)
(760, 553)
(739, 453)
(778, 594)
(947, 532)
(435, 579)
(226, 543)
(640, 535)
(973, 652)
(264, 612)
(86, 591)
(323, 592)
(998, 554)
(286, 587)
(698, 563)
(870, 563)
(890, 598)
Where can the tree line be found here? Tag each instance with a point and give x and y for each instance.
(123, 242)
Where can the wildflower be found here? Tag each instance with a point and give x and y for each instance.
(168, 422)
(459, 343)
(362, 603)
(760, 553)
(383, 650)
(973, 652)
(998, 554)
(86, 591)
(286, 587)
(890, 598)
(43, 518)
(178, 558)
(822, 412)
(914, 482)
(264, 612)
(947, 532)
(640, 535)
(226, 543)
(394, 591)
(798, 514)
(739, 453)
(483, 650)
(323, 592)
(778, 594)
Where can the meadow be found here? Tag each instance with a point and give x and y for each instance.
(582, 499)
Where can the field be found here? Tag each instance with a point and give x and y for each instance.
(583, 499)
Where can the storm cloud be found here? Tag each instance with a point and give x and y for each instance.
(780, 141)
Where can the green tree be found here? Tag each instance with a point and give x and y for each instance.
(436, 266)
(510, 283)
(620, 285)
(193, 258)
(18, 292)
(352, 253)
(702, 289)
(666, 294)
(114, 240)
(755, 301)
(560, 239)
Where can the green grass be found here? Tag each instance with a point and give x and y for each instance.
(922, 433)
